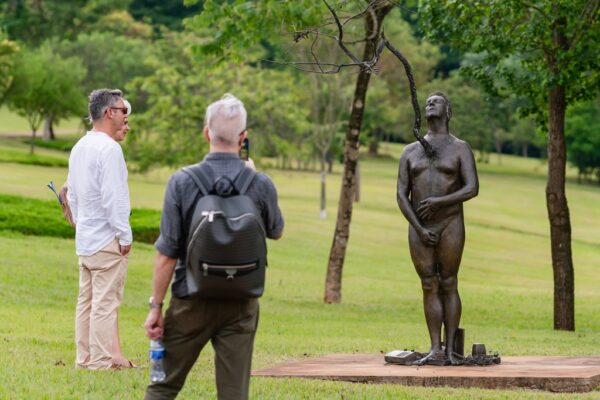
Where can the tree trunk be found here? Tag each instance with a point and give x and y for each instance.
(32, 146)
(333, 281)
(374, 143)
(323, 210)
(357, 185)
(558, 214)
(498, 146)
(48, 133)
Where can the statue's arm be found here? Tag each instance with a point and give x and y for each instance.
(468, 190)
(402, 197)
(403, 191)
(468, 170)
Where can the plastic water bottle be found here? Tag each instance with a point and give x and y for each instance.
(157, 354)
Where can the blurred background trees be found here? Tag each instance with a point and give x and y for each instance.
(173, 59)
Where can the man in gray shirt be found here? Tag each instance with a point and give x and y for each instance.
(189, 323)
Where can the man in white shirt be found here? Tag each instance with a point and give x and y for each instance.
(98, 196)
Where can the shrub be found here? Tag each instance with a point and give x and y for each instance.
(62, 144)
(20, 157)
(44, 218)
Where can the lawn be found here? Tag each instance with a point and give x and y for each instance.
(12, 124)
(505, 285)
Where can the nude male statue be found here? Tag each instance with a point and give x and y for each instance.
(430, 195)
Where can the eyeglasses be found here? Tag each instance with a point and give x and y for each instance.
(124, 110)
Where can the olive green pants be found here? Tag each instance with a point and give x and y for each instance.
(189, 325)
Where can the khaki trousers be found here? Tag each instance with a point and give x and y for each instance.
(101, 287)
(189, 325)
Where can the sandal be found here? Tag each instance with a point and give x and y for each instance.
(127, 364)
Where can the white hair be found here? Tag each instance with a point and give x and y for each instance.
(226, 119)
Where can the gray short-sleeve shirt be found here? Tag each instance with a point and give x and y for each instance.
(181, 196)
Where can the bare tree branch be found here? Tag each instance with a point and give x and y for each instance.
(340, 38)
(588, 14)
(312, 52)
(538, 9)
(369, 7)
(429, 151)
(332, 68)
(335, 68)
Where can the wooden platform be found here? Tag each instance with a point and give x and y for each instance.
(556, 374)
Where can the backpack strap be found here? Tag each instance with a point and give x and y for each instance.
(201, 174)
(244, 179)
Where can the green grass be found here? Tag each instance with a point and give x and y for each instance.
(64, 143)
(17, 151)
(16, 156)
(505, 285)
(13, 124)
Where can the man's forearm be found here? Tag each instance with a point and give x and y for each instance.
(407, 210)
(163, 272)
(460, 196)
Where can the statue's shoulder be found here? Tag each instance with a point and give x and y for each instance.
(458, 142)
(408, 153)
(411, 148)
(461, 145)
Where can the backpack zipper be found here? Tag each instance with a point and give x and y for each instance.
(209, 217)
(253, 216)
(230, 270)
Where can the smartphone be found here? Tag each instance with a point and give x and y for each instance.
(245, 150)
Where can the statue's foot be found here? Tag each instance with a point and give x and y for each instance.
(435, 357)
(454, 360)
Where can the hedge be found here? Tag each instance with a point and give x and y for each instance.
(44, 218)
(21, 157)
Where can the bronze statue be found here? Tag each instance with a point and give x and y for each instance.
(431, 189)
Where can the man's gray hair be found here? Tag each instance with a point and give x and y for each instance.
(226, 119)
(100, 100)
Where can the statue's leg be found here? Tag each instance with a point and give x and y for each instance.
(450, 248)
(423, 258)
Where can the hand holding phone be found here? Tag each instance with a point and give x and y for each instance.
(245, 150)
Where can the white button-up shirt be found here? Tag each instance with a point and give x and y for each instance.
(98, 193)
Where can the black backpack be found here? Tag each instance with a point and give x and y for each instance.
(226, 244)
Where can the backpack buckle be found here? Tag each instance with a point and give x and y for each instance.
(211, 214)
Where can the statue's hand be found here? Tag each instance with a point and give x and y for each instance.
(430, 238)
(427, 207)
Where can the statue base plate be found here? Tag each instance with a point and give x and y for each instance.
(411, 357)
(555, 374)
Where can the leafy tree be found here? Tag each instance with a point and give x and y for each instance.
(329, 100)
(33, 22)
(169, 132)
(556, 44)
(583, 138)
(45, 84)
(238, 25)
(8, 49)
(109, 60)
(524, 135)
(120, 22)
(168, 13)
(45, 22)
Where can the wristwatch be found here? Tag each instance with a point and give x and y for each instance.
(152, 304)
